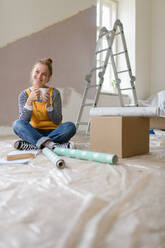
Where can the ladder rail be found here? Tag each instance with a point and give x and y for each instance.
(117, 79)
(132, 78)
(89, 76)
(101, 78)
(81, 108)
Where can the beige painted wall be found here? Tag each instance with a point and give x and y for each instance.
(69, 43)
(34, 29)
(19, 18)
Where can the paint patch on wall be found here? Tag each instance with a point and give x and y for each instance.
(21, 18)
(70, 44)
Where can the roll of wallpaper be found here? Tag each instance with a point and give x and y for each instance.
(59, 162)
(125, 111)
(87, 155)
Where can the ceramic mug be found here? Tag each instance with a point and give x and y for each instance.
(43, 91)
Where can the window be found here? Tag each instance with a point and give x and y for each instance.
(106, 16)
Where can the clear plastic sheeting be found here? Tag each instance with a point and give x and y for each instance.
(85, 205)
(156, 100)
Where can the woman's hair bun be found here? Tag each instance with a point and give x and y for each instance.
(48, 60)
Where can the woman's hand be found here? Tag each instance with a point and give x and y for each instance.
(46, 98)
(34, 95)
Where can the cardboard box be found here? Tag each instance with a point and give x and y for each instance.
(123, 136)
(157, 123)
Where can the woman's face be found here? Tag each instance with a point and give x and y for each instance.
(40, 75)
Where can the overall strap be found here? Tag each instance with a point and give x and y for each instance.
(28, 91)
(51, 93)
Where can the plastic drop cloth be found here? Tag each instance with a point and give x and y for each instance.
(156, 100)
(87, 204)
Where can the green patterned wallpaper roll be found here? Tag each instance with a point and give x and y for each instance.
(59, 162)
(87, 155)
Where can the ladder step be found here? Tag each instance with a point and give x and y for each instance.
(122, 71)
(87, 104)
(131, 105)
(98, 68)
(92, 86)
(118, 33)
(127, 89)
(103, 50)
(119, 53)
(105, 32)
(82, 123)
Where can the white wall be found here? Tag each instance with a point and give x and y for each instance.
(19, 18)
(157, 75)
(150, 48)
(143, 47)
(136, 18)
(126, 14)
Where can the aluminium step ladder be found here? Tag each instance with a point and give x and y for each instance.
(109, 55)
